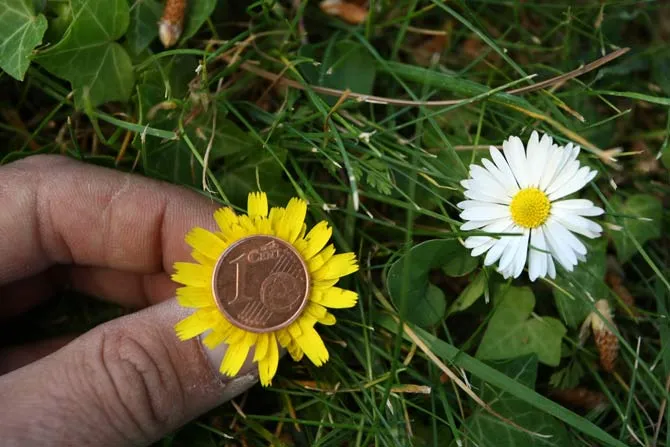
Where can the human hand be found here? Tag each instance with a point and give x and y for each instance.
(126, 382)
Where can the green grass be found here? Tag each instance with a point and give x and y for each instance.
(386, 174)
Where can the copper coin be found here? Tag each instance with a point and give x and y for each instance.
(261, 283)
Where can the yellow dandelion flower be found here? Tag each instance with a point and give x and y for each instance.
(262, 282)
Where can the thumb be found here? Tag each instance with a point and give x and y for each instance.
(127, 382)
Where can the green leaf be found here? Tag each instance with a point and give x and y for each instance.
(60, 18)
(197, 13)
(470, 294)
(460, 359)
(640, 217)
(174, 160)
(585, 283)
(488, 430)
(243, 173)
(98, 68)
(345, 65)
(567, 377)
(511, 332)
(423, 303)
(20, 32)
(144, 17)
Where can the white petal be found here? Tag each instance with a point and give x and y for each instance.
(537, 258)
(483, 248)
(537, 158)
(474, 224)
(466, 204)
(549, 172)
(563, 254)
(562, 157)
(516, 157)
(566, 238)
(583, 176)
(578, 224)
(484, 182)
(521, 254)
(581, 207)
(484, 197)
(551, 267)
(503, 166)
(509, 186)
(497, 250)
(476, 241)
(506, 261)
(491, 211)
(563, 176)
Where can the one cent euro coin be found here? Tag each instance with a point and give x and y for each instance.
(261, 283)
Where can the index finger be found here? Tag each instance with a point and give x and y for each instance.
(54, 210)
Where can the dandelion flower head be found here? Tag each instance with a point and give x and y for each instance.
(278, 281)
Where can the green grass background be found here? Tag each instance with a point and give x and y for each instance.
(386, 175)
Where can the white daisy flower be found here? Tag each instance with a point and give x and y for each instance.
(519, 194)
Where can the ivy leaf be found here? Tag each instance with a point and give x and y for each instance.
(641, 216)
(345, 65)
(98, 68)
(488, 431)
(20, 32)
(197, 13)
(586, 282)
(470, 294)
(512, 333)
(143, 29)
(422, 303)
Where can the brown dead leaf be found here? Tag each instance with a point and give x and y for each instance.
(348, 11)
(580, 397)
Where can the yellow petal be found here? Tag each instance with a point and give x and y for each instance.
(275, 217)
(220, 334)
(236, 354)
(289, 227)
(303, 230)
(318, 260)
(197, 323)
(192, 274)
(294, 330)
(317, 238)
(263, 225)
(206, 243)
(320, 314)
(312, 345)
(261, 347)
(257, 204)
(283, 337)
(248, 225)
(316, 310)
(195, 297)
(334, 297)
(328, 319)
(267, 368)
(202, 259)
(324, 284)
(225, 218)
(214, 339)
(294, 350)
(336, 267)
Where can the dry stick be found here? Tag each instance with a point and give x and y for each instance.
(441, 103)
(661, 413)
(605, 156)
(205, 162)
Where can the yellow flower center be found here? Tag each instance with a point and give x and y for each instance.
(530, 208)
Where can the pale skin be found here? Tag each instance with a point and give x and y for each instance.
(115, 236)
